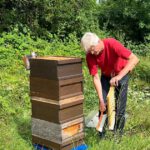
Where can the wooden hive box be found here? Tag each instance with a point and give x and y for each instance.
(57, 111)
(56, 88)
(57, 136)
(57, 101)
(56, 78)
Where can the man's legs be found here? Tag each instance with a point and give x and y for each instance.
(121, 99)
(105, 89)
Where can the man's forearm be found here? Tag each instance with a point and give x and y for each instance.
(133, 60)
(98, 87)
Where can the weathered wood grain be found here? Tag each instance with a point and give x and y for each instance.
(56, 132)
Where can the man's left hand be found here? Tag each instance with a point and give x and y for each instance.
(114, 81)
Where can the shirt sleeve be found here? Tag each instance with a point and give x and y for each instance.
(92, 64)
(119, 49)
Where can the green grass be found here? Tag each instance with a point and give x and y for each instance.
(15, 106)
(16, 133)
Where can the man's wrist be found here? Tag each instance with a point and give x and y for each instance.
(119, 76)
(101, 101)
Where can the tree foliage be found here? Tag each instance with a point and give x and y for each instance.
(41, 16)
(128, 17)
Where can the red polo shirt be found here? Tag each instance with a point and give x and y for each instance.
(111, 60)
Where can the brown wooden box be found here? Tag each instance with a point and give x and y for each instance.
(56, 89)
(53, 68)
(57, 111)
(56, 135)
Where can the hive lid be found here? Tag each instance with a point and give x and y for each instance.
(59, 59)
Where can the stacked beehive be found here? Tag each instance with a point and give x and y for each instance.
(56, 91)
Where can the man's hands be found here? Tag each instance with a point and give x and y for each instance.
(132, 61)
(114, 81)
(102, 106)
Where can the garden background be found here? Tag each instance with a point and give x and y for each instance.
(54, 27)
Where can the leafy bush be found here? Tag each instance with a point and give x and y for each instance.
(44, 17)
(143, 69)
(130, 18)
(139, 49)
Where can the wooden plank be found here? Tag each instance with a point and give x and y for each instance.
(69, 70)
(57, 58)
(55, 89)
(52, 113)
(70, 90)
(71, 113)
(74, 79)
(53, 69)
(43, 69)
(46, 130)
(70, 123)
(62, 103)
(55, 132)
(44, 88)
(60, 59)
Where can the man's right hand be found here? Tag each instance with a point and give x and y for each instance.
(102, 106)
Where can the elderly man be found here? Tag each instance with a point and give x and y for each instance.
(115, 62)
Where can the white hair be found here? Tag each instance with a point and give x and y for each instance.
(89, 39)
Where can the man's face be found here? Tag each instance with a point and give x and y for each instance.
(95, 50)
